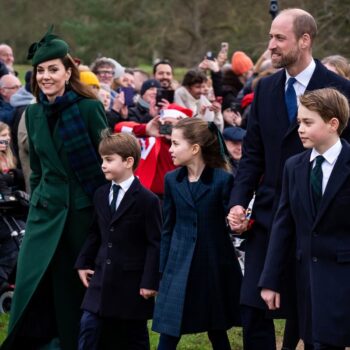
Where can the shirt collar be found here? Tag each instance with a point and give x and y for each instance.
(304, 77)
(330, 155)
(125, 185)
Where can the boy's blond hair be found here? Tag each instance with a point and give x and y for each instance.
(123, 144)
(328, 103)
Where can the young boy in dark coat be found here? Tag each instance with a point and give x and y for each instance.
(314, 212)
(119, 262)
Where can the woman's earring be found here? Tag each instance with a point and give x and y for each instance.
(67, 82)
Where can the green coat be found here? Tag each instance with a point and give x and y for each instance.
(59, 218)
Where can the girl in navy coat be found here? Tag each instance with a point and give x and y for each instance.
(201, 277)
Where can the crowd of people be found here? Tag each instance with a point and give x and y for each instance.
(141, 186)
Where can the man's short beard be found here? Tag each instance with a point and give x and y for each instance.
(287, 61)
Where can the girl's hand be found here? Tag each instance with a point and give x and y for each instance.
(85, 276)
(148, 293)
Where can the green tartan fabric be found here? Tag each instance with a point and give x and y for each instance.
(81, 154)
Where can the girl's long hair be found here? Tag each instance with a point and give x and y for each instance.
(196, 131)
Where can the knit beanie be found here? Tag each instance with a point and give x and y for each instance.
(241, 63)
(119, 70)
(150, 83)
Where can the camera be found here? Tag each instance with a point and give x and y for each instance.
(4, 142)
(273, 10)
(210, 56)
(235, 107)
(165, 129)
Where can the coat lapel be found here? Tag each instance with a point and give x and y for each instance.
(42, 126)
(302, 180)
(127, 201)
(340, 173)
(182, 186)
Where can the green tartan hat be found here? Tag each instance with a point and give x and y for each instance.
(48, 48)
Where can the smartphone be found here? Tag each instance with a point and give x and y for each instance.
(165, 129)
(210, 56)
(164, 94)
(224, 46)
(129, 94)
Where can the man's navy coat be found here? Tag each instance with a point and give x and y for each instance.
(269, 142)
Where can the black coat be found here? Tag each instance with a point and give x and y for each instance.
(269, 142)
(123, 250)
(322, 253)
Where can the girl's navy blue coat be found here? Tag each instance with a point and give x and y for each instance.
(201, 277)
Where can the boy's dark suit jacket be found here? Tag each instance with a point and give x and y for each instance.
(269, 142)
(322, 249)
(123, 250)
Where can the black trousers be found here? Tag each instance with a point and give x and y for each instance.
(258, 331)
(97, 333)
(318, 346)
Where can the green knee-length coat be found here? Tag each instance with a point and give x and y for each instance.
(59, 217)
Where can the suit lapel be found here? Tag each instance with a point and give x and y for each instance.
(340, 173)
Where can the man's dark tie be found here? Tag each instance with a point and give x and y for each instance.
(316, 177)
(291, 99)
(113, 204)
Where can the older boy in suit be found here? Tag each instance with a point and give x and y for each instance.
(119, 262)
(314, 211)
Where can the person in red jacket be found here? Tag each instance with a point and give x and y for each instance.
(154, 138)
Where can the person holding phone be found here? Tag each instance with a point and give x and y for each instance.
(145, 109)
(189, 95)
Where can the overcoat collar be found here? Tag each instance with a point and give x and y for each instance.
(53, 143)
(340, 173)
(205, 181)
(127, 201)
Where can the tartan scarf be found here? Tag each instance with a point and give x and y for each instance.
(81, 154)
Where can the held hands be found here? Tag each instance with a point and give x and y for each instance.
(147, 293)
(237, 219)
(85, 276)
(271, 298)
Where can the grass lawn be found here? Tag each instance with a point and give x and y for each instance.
(188, 342)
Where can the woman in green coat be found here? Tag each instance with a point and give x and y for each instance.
(63, 132)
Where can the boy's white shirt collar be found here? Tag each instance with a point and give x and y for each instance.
(125, 185)
(331, 155)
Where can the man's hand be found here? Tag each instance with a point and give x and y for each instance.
(85, 276)
(271, 298)
(152, 127)
(148, 293)
(237, 219)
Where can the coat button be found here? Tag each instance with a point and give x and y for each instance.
(110, 245)
(194, 224)
(111, 229)
(314, 259)
(45, 204)
(108, 261)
